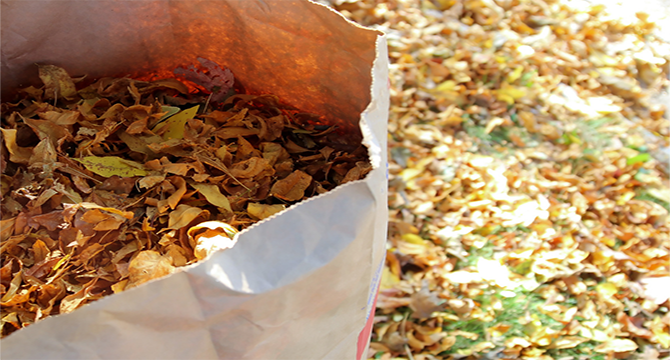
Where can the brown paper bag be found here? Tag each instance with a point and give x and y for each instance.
(300, 285)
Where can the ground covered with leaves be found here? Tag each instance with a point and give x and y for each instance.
(528, 197)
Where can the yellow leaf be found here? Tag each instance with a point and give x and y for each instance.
(510, 94)
(606, 289)
(263, 211)
(119, 286)
(498, 330)
(174, 125)
(389, 279)
(410, 173)
(517, 341)
(567, 342)
(660, 194)
(62, 261)
(593, 334)
(481, 347)
(17, 154)
(444, 4)
(57, 82)
(89, 205)
(616, 345)
(413, 239)
(183, 215)
(662, 337)
(108, 166)
(212, 193)
(465, 334)
(514, 75)
(445, 86)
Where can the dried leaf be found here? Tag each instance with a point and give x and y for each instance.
(211, 236)
(175, 198)
(424, 303)
(183, 215)
(213, 194)
(616, 345)
(292, 188)
(148, 182)
(108, 166)
(173, 127)
(263, 211)
(17, 154)
(6, 228)
(57, 82)
(211, 76)
(44, 155)
(146, 266)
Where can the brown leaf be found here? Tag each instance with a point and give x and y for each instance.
(272, 128)
(51, 221)
(47, 296)
(424, 303)
(178, 255)
(146, 266)
(245, 150)
(73, 301)
(211, 76)
(273, 152)
(112, 222)
(147, 182)
(6, 228)
(44, 154)
(183, 215)
(40, 250)
(66, 117)
(292, 188)
(48, 130)
(17, 154)
(263, 211)
(42, 268)
(358, 172)
(251, 168)
(14, 285)
(235, 132)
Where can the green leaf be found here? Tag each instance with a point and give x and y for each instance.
(108, 166)
(171, 110)
(175, 124)
(640, 158)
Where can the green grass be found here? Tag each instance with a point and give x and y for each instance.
(513, 309)
(644, 195)
(474, 254)
(587, 133)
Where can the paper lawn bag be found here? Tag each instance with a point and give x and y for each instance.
(300, 285)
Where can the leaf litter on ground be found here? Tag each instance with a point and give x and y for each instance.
(528, 205)
(112, 183)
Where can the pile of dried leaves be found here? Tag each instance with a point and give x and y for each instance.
(529, 214)
(108, 185)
